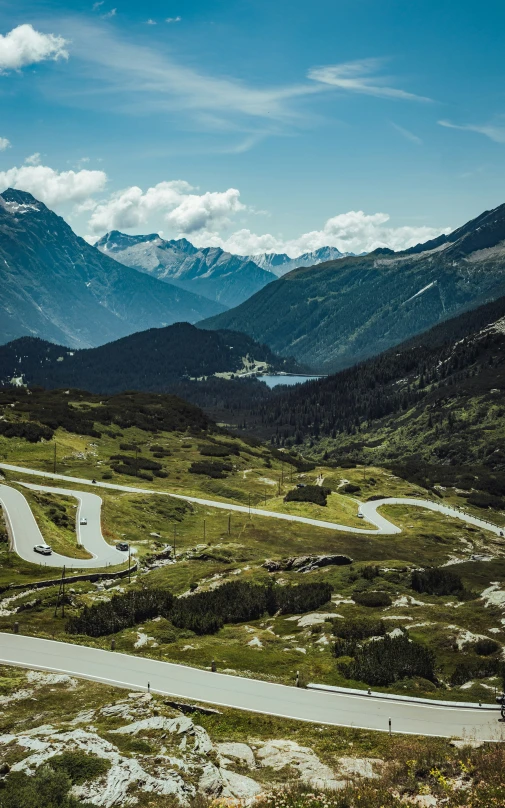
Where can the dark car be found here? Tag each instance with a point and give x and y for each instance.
(123, 546)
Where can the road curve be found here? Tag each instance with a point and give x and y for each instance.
(369, 509)
(347, 710)
(26, 533)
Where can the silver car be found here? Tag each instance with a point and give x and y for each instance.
(43, 549)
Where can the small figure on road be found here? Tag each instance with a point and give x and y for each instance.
(501, 701)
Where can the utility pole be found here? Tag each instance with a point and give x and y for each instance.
(229, 524)
(204, 530)
(54, 459)
(249, 506)
(279, 486)
(61, 595)
(136, 461)
(129, 566)
(175, 529)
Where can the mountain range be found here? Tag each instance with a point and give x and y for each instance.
(280, 263)
(55, 285)
(151, 361)
(340, 312)
(211, 272)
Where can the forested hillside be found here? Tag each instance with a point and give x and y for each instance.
(338, 313)
(438, 400)
(152, 360)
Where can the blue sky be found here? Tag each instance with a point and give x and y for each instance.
(256, 125)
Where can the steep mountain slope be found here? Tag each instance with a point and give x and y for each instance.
(335, 314)
(438, 399)
(280, 263)
(211, 272)
(150, 360)
(56, 286)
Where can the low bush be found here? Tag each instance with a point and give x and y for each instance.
(474, 669)
(309, 493)
(129, 447)
(437, 581)
(80, 767)
(359, 628)
(486, 647)
(214, 450)
(216, 470)
(485, 501)
(203, 612)
(372, 599)
(350, 488)
(28, 430)
(47, 788)
(385, 661)
(122, 611)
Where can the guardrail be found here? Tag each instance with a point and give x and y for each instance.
(349, 691)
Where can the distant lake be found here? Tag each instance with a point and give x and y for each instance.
(274, 381)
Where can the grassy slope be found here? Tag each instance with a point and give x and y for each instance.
(205, 550)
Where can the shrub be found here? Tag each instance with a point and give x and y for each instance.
(107, 475)
(129, 447)
(474, 669)
(28, 430)
(350, 488)
(437, 581)
(203, 612)
(213, 450)
(372, 599)
(486, 647)
(215, 469)
(309, 493)
(122, 611)
(79, 766)
(47, 788)
(359, 628)
(370, 572)
(485, 501)
(383, 662)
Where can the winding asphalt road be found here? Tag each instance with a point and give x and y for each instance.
(25, 531)
(339, 709)
(24, 524)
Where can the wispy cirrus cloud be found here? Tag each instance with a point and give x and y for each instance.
(361, 76)
(495, 132)
(173, 19)
(4, 143)
(407, 134)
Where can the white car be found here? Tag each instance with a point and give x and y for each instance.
(43, 549)
(360, 516)
(83, 520)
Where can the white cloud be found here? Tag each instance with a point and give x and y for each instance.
(53, 187)
(173, 19)
(25, 46)
(360, 77)
(492, 131)
(183, 210)
(407, 134)
(97, 5)
(354, 231)
(151, 22)
(4, 143)
(109, 14)
(33, 159)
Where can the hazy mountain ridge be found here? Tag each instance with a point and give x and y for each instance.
(149, 361)
(335, 314)
(56, 286)
(280, 263)
(208, 271)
